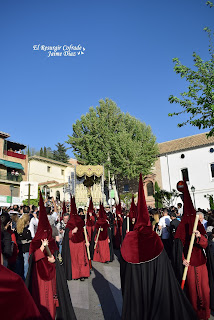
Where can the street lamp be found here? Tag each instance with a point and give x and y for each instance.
(193, 192)
(11, 193)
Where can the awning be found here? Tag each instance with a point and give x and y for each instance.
(10, 164)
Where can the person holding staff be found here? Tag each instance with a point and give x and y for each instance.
(197, 280)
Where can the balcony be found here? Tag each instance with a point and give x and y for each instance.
(15, 154)
(11, 177)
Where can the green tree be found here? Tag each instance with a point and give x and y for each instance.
(105, 135)
(41, 152)
(45, 152)
(198, 101)
(60, 154)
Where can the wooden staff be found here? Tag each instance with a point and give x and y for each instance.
(87, 243)
(97, 238)
(190, 250)
(127, 229)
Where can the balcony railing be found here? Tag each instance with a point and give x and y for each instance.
(11, 177)
(15, 154)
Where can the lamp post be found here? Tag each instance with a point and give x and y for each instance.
(11, 193)
(193, 192)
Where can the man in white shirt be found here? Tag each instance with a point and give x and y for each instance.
(33, 224)
(163, 225)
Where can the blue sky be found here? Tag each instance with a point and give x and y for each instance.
(129, 46)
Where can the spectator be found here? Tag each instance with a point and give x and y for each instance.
(6, 242)
(180, 209)
(163, 225)
(202, 220)
(34, 224)
(61, 229)
(23, 238)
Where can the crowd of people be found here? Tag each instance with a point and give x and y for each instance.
(46, 245)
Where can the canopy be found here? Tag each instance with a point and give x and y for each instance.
(11, 164)
(89, 171)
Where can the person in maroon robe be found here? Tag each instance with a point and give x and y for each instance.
(90, 222)
(101, 245)
(197, 281)
(15, 299)
(149, 287)
(45, 279)
(74, 253)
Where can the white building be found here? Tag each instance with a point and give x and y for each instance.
(51, 176)
(193, 158)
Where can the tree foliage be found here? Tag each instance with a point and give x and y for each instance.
(198, 100)
(60, 153)
(105, 135)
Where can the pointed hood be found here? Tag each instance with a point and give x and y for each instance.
(90, 219)
(143, 219)
(142, 244)
(44, 230)
(133, 209)
(75, 221)
(102, 219)
(119, 208)
(189, 213)
(91, 206)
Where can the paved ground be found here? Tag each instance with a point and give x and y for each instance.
(98, 297)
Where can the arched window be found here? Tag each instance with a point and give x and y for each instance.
(58, 195)
(150, 189)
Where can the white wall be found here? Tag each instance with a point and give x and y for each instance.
(198, 163)
(38, 172)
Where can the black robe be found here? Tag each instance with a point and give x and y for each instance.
(151, 291)
(110, 244)
(66, 255)
(65, 310)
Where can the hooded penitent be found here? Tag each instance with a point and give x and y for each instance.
(133, 210)
(90, 220)
(142, 244)
(75, 221)
(102, 223)
(185, 228)
(44, 231)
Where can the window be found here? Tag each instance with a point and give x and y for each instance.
(126, 187)
(185, 175)
(212, 169)
(62, 172)
(150, 189)
(57, 195)
(48, 169)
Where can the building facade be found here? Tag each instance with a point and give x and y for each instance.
(13, 169)
(191, 158)
(52, 176)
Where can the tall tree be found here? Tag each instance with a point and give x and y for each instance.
(198, 100)
(41, 152)
(105, 135)
(60, 154)
(45, 152)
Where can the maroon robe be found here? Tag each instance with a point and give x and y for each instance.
(90, 225)
(79, 259)
(44, 291)
(197, 282)
(16, 301)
